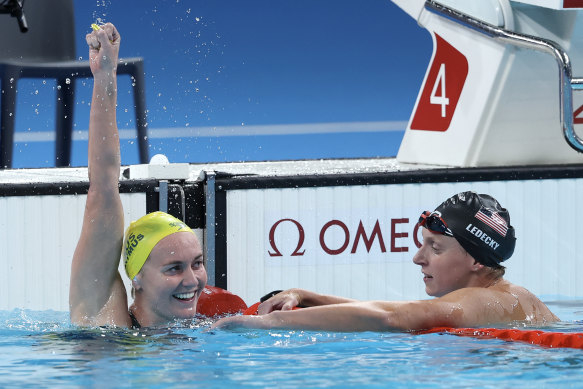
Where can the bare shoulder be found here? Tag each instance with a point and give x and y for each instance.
(528, 304)
(503, 302)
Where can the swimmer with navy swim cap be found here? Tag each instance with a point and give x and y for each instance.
(162, 256)
(480, 225)
(465, 240)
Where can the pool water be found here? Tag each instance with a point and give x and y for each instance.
(42, 349)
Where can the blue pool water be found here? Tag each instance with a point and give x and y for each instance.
(42, 349)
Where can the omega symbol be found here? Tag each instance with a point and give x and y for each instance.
(296, 252)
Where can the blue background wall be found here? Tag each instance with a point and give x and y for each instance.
(236, 65)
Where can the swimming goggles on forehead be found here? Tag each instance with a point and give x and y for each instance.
(433, 222)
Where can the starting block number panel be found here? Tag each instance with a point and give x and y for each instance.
(442, 89)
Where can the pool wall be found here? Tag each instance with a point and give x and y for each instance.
(356, 235)
(344, 227)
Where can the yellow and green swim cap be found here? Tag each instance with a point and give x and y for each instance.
(143, 234)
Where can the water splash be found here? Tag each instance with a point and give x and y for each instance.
(100, 13)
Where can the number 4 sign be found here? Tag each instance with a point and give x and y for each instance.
(576, 118)
(442, 88)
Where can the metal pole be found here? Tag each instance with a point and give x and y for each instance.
(210, 223)
(162, 196)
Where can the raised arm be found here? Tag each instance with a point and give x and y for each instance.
(97, 295)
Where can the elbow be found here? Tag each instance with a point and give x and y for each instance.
(403, 320)
(391, 322)
(380, 319)
(103, 197)
(375, 316)
(106, 175)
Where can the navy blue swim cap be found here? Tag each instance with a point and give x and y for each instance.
(481, 226)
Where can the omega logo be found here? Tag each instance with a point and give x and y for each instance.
(296, 252)
(395, 233)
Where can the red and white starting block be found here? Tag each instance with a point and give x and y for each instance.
(499, 88)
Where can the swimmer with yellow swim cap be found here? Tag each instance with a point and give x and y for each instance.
(142, 235)
(162, 256)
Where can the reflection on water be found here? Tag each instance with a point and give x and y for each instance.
(44, 349)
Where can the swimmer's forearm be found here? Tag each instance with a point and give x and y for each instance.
(350, 317)
(340, 318)
(104, 152)
(312, 299)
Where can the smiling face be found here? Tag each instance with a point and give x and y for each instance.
(171, 280)
(445, 265)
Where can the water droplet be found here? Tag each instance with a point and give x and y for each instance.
(59, 87)
(67, 81)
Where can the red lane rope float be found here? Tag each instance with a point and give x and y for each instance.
(216, 301)
(252, 310)
(537, 337)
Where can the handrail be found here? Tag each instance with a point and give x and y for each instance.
(566, 82)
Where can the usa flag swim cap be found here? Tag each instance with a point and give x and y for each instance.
(481, 226)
